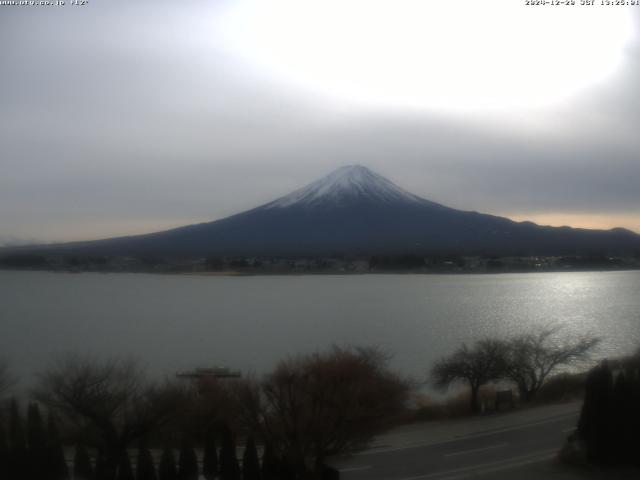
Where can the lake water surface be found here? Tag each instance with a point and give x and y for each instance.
(172, 322)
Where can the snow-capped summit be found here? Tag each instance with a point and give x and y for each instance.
(346, 184)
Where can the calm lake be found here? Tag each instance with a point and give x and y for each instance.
(173, 322)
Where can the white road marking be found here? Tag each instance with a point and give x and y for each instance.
(567, 430)
(465, 452)
(489, 467)
(355, 469)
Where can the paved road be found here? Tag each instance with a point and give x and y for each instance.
(478, 452)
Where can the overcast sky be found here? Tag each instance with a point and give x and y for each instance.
(125, 117)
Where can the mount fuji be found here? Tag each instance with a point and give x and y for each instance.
(354, 211)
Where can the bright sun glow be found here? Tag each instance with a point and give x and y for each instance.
(466, 55)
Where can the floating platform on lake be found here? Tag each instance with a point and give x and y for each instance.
(213, 372)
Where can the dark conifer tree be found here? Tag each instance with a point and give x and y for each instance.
(250, 462)
(287, 472)
(229, 468)
(36, 444)
(270, 464)
(56, 463)
(187, 462)
(145, 468)
(622, 435)
(210, 458)
(635, 421)
(102, 471)
(82, 468)
(125, 472)
(329, 473)
(4, 453)
(594, 426)
(17, 444)
(167, 470)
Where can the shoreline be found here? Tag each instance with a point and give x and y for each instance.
(239, 273)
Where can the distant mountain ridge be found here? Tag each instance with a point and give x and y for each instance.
(354, 211)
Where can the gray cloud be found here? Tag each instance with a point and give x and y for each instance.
(119, 118)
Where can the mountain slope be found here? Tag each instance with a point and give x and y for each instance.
(355, 211)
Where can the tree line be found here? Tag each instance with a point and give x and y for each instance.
(526, 360)
(288, 422)
(32, 450)
(609, 422)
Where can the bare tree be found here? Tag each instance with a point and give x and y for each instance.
(532, 357)
(323, 404)
(476, 366)
(110, 398)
